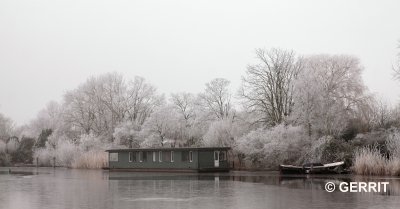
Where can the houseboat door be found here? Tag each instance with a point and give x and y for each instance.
(216, 159)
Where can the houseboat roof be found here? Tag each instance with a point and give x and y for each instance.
(168, 149)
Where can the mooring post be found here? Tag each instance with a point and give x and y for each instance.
(37, 162)
(54, 162)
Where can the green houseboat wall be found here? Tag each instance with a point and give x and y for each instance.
(203, 160)
(206, 160)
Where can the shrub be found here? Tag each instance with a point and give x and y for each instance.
(66, 153)
(44, 156)
(393, 144)
(24, 152)
(43, 137)
(317, 149)
(271, 147)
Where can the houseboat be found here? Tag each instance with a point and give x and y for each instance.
(199, 159)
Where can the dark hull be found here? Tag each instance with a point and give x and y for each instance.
(333, 168)
(201, 170)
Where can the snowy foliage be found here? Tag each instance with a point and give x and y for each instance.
(393, 144)
(90, 142)
(127, 134)
(12, 145)
(6, 127)
(220, 133)
(271, 147)
(328, 92)
(295, 110)
(318, 147)
(164, 125)
(66, 152)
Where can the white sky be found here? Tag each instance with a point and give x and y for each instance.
(50, 46)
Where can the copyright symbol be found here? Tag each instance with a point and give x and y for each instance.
(330, 187)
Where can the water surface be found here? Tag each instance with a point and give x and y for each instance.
(73, 188)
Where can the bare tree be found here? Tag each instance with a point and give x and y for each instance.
(141, 99)
(184, 103)
(217, 98)
(267, 87)
(382, 114)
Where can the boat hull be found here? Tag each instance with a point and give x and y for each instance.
(332, 168)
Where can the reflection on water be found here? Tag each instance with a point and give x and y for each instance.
(71, 188)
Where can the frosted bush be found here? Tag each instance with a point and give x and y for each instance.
(151, 141)
(315, 154)
(12, 145)
(89, 142)
(220, 133)
(44, 156)
(393, 144)
(66, 152)
(271, 147)
(127, 132)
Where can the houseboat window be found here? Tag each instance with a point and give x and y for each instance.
(114, 157)
(130, 156)
(140, 156)
(154, 157)
(185, 156)
(190, 156)
(166, 156)
(222, 155)
(172, 156)
(160, 156)
(133, 156)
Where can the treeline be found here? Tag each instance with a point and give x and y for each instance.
(290, 109)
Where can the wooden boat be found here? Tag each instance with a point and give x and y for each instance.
(313, 168)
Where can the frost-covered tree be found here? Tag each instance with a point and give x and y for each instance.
(328, 92)
(216, 98)
(6, 128)
(185, 104)
(48, 118)
(141, 99)
(105, 101)
(220, 134)
(97, 105)
(267, 87)
(162, 127)
(128, 134)
(396, 67)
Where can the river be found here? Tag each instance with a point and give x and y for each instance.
(37, 188)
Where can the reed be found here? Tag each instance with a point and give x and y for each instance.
(369, 161)
(93, 159)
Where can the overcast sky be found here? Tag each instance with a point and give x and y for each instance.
(50, 46)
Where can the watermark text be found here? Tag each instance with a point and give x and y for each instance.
(358, 186)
